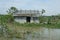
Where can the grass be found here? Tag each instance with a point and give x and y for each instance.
(34, 25)
(6, 19)
(15, 28)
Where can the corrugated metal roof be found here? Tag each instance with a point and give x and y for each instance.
(27, 13)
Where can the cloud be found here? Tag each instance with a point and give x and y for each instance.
(52, 7)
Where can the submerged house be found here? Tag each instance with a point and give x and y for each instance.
(23, 16)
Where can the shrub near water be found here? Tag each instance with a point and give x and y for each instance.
(6, 18)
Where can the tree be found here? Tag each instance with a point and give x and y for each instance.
(40, 18)
(43, 11)
(10, 13)
(12, 10)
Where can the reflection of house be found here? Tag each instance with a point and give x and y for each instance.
(24, 16)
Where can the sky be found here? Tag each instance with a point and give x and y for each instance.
(51, 7)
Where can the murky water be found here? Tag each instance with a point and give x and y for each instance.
(41, 34)
(44, 34)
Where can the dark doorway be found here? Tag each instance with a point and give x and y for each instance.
(28, 19)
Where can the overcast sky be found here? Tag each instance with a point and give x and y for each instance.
(52, 7)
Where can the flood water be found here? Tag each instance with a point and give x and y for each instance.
(41, 34)
(44, 34)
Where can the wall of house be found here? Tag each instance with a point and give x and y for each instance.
(23, 19)
(20, 19)
(34, 20)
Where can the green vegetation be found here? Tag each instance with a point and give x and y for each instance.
(13, 27)
(45, 21)
(6, 18)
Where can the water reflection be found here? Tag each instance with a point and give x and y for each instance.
(44, 34)
(40, 34)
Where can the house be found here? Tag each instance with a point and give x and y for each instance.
(23, 16)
